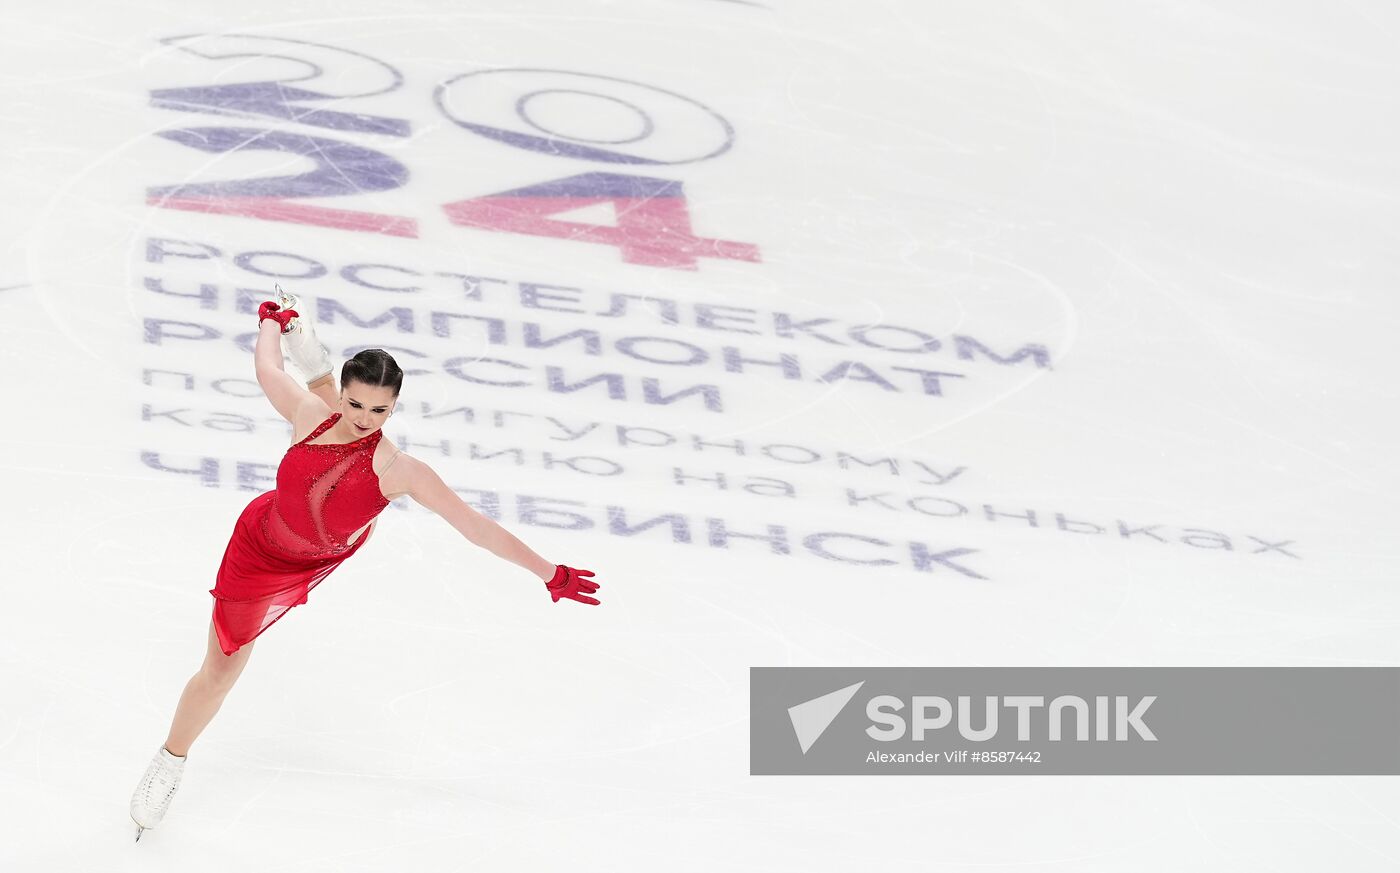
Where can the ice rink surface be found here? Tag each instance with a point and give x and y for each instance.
(935, 334)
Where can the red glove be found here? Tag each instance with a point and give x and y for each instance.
(269, 309)
(568, 582)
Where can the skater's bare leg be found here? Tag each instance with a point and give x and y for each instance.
(205, 693)
(325, 389)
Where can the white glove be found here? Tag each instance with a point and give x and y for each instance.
(306, 352)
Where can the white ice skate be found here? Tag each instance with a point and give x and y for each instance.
(152, 796)
(300, 342)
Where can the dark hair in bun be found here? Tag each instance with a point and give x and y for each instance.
(373, 367)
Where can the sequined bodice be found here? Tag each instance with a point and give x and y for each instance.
(325, 493)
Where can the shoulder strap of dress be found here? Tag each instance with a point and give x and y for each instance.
(392, 460)
(321, 428)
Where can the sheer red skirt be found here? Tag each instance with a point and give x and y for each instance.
(258, 582)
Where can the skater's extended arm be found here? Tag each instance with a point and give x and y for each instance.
(428, 489)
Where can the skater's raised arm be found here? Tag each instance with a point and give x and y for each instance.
(281, 389)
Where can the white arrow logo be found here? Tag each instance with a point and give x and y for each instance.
(811, 719)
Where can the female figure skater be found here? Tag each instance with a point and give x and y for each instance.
(333, 482)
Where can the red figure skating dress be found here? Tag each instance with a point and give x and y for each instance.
(289, 539)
